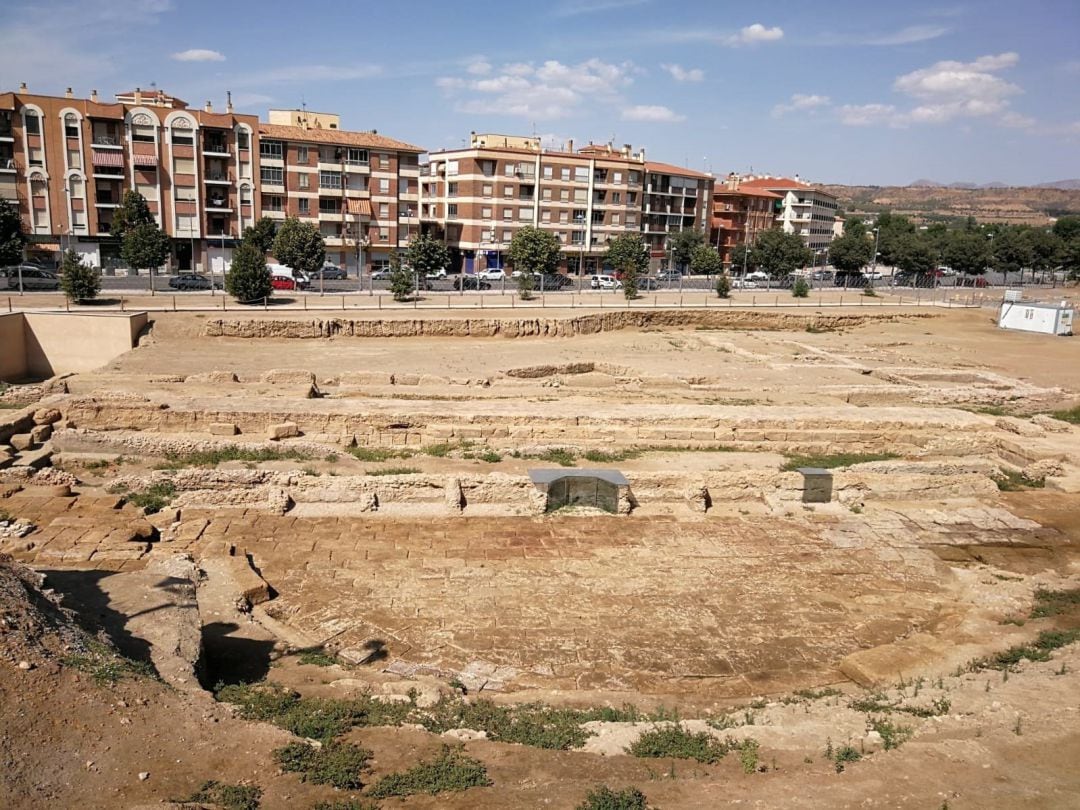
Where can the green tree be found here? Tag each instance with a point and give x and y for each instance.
(299, 245)
(892, 231)
(913, 253)
(248, 279)
(1045, 249)
(1067, 228)
(262, 234)
(534, 251)
(683, 244)
(801, 288)
(851, 252)
(705, 261)
(1070, 258)
(132, 212)
(1012, 251)
(967, 252)
(427, 256)
(402, 279)
(79, 282)
(723, 285)
(145, 247)
(12, 235)
(740, 256)
(779, 254)
(630, 258)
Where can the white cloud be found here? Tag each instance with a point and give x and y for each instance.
(906, 36)
(1017, 121)
(951, 90)
(863, 115)
(652, 113)
(251, 99)
(198, 55)
(572, 8)
(547, 91)
(479, 67)
(801, 102)
(681, 74)
(754, 34)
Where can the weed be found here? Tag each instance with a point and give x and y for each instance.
(1053, 603)
(1071, 415)
(856, 508)
(674, 741)
(331, 458)
(748, 755)
(211, 458)
(6, 517)
(558, 455)
(441, 450)
(844, 755)
(225, 797)
(377, 453)
(604, 798)
(490, 456)
(451, 771)
(346, 804)
(309, 471)
(1014, 621)
(395, 471)
(892, 734)
(317, 657)
(604, 457)
(1037, 650)
(153, 499)
(106, 666)
(989, 410)
(837, 460)
(801, 695)
(870, 292)
(1013, 481)
(337, 764)
(876, 703)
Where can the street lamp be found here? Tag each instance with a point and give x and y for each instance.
(580, 220)
(873, 266)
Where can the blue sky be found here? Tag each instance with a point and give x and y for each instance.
(837, 91)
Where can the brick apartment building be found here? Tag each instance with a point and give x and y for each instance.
(478, 196)
(206, 176)
(739, 215)
(803, 208)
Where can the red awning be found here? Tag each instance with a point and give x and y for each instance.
(108, 158)
(361, 207)
(146, 160)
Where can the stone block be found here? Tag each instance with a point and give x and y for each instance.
(46, 416)
(286, 430)
(223, 429)
(406, 379)
(817, 485)
(41, 433)
(285, 375)
(37, 459)
(22, 441)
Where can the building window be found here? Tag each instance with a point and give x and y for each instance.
(329, 205)
(184, 165)
(186, 193)
(508, 236)
(634, 178)
(580, 195)
(525, 214)
(545, 194)
(564, 174)
(508, 214)
(245, 195)
(616, 178)
(32, 122)
(548, 171)
(577, 237)
(71, 125)
(597, 217)
(304, 205)
(600, 176)
(271, 202)
(243, 139)
(36, 157)
(564, 216)
(302, 155)
(485, 213)
(614, 219)
(451, 189)
(526, 192)
(487, 190)
(273, 175)
(384, 210)
(616, 198)
(451, 210)
(545, 215)
(579, 215)
(183, 137)
(631, 198)
(508, 191)
(384, 161)
(329, 154)
(485, 236)
(564, 195)
(329, 179)
(303, 180)
(451, 168)
(143, 133)
(581, 174)
(272, 150)
(384, 186)
(357, 157)
(509, 169)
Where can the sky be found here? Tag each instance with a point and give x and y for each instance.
(835, 91)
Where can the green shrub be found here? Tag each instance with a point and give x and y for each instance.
(346, 804)
(1014, 481)
(248, 279)
(336, 764)
(723, 286)
(1052, 603)
(105, 665)
(674, 741)
(604, 798)
(836, 460)
(1069, 415)
(226, 797)
(318, 657)
(490, 456)
(377, 453)
(604, 457)
(558, 455)
(451, 771)
(800, 289)
(1038, 650)
(893, 735)
(154, 498)
(441, 450)
(748, 755)
(395, 471)
(844, 755)
(79, 282)
(211, 458)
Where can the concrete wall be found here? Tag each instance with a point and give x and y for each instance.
(13, 365)
(44, 344)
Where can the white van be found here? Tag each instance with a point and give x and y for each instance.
(288, 272)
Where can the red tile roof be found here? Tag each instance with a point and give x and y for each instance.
(668, 168)
(773, 182)
(746, 192)
(369, 140)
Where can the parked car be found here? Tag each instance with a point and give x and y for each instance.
(872, 274)
(743, 284)
(192, 281)
(972, 281)
(648, 283)
(440, 273)
(471, 283)
(927, 280)
(945, 270)
(381, 274)
(287, 283)
(492, 274)
(552, 281)
(33, 278)
(605, 283)
(757, 275)
(669, 275)
(850, 280)
(287, 272)
(329, 271)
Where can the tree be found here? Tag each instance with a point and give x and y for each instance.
(1012, 251)
(1045, 249)
(1070, 258)
(262, 234)
(79, 282)
(299, 245)
(779, 254)
(892, 229)
(740, 256)
(723, 286)
(12, 235)
(913, 253)
(402, 280)
(705, 261)
(132, 212)
(145, 247)
(967, 252)
(683, 243)
(248, 279)
(851, 252)
(427, 256)
(534, 251)
(801, 288)
(630, 258)
(1067, 228)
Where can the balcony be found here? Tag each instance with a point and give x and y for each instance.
(107, 142)
(217, 178)
(216, 146)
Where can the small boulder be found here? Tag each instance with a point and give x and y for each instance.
(223, 429)
(41, 433)
(286, 430)
(22, 441)
(46, 416)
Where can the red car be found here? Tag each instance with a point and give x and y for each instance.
(972, 281)
(283, 283)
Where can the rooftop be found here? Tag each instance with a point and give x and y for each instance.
(371, 140)
(669, 168)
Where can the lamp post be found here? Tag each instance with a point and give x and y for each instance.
(580, 220)
(873, 265)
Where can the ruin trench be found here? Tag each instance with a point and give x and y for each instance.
(731, 606)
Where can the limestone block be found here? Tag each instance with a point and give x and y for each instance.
(366, 378)
(41, 433)
(286, 430)
(251, 587)
(285, 375)
(1048, 423)
(6, 458)
(454, 499)
(213, 377)
(406, 379)
(1019, 426)
(46, 416)
(431, 379)
(223, 429)
(22, 441)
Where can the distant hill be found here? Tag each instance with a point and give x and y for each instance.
(1067, 185)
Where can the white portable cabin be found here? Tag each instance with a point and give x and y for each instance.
(1032, 316)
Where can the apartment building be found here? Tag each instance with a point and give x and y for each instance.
(803, 209)
(361, 189)
(739, 216)
(675, 199)
(66, 163)
(477, 197)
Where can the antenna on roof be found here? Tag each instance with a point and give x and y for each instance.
(154, 85)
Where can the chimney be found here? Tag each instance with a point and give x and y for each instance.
(643, 154)
(209, 107)
(68, 93)
(228, 102)
(22, 88)
(93, 96)
(626, 149)
(138, 95)
(570, 145)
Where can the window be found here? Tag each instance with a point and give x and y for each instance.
(579, 215)
(508, 191)
(144, 133)
(271, 202)
(328, 154)
(509, 169)
(304, 205)
(487, 190)
(564, 195)
(71, 125)
(451, 167)
(564, 173)
(185, 223)
(243, 139)
(616, 177)
(631, 198)
(451, 210)
(525, 214)
(384, 161)
(634, 178)
(597, 217)
(600, 176)
(581, 174)
(580, 195)
(183, 137)
(616, 198)
(74, 159)
(614, 219)
(577, 237)
(329, 205)
(545, 194)
(384, 210)
(384, 186)
(564, 216)
(384, 236)
(329, 179)
(303, 180)
(245, 195)
(451, 189)
(32, 122)
(273, 175)
(186, 193)
(37, 157)
(548, 171)
(526, 192)
(508, 213)
(403, 186)
(357, 157)
(631, 220)
(507, 236)
(485, 213)
(486, 236)
(272, 150)
(303, 156)
(545, 215)
(184, 165)
(487, 168)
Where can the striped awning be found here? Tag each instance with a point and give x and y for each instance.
(361, 207)
(108, 158)
(145, 160)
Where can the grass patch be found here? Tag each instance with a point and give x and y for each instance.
(225, 797)
(893, 735)
(211, 458)
(106, 666)
(834, 461)
(377, 453)
(317, 658)
(490, 456)
(604, 457)
(1071, 415)
(450, 772)
(604, 798)
(1037, 650)
(336, 764)
(877, 703)
(346, 804)
(1014, 481)
(557, 455)
(440, 450)
(844, 755)
(674, 741)
(154, 498)
(394, 471)
(1052, 603)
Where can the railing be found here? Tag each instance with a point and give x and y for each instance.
(106, 140)
(215, 146)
